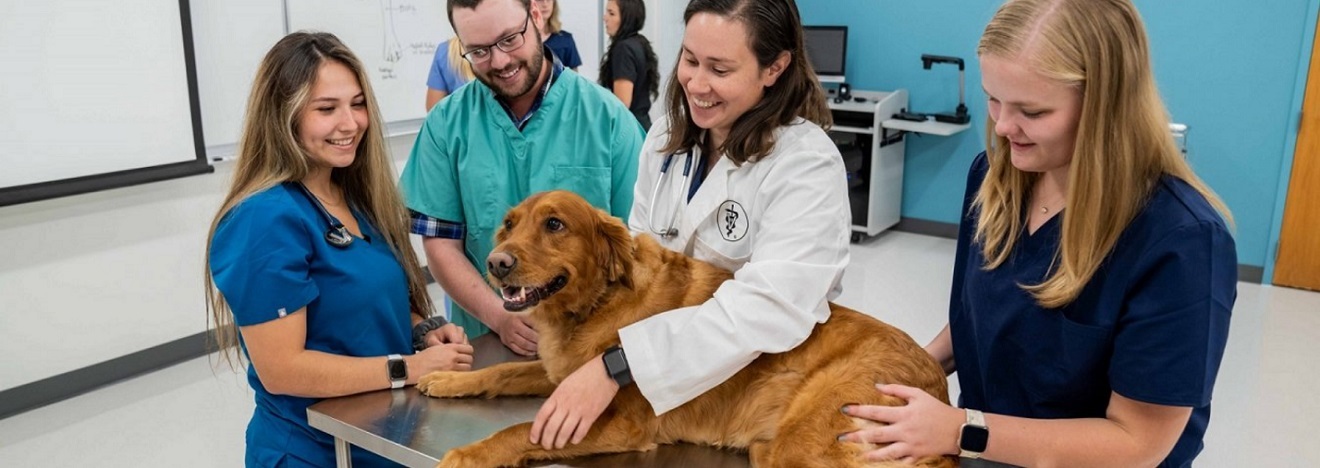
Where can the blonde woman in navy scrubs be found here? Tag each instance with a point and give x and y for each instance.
(310, 256)
(1095, 273)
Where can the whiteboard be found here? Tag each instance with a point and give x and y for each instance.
(395, 40)
(233, 35)
(92, 88)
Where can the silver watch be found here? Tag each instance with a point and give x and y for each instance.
(397, 369)
(974, 435)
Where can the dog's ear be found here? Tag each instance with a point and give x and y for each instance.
(614, 248)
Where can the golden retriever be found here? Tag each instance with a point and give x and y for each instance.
(582, 276)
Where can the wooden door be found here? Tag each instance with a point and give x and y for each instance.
(1298, 264)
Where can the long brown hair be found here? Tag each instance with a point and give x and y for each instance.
(774, 28)
(1123, 144)
(269, 154)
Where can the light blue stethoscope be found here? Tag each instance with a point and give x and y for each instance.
(670, 231)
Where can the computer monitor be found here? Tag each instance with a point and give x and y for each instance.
(827, 49)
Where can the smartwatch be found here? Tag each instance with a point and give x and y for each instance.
(398, 370)
(616, 364)
(974, 436)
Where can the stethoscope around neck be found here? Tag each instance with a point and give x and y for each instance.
(670, 230)
(337, 235)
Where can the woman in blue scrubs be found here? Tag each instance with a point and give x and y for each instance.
(1095, 274)
(310, 255)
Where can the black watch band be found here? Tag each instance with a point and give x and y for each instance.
(616, 365)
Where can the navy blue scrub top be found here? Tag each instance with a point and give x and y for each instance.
(269, 258)
(1150, 325)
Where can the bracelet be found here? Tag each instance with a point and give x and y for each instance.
(423, 327)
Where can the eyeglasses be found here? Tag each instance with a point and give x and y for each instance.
(509, 44)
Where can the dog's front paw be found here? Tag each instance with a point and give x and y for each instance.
(448, 384)
(469, 457)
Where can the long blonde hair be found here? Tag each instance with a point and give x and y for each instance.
(269, 154)
(552, 24)
(457, 63)
(1123, 144)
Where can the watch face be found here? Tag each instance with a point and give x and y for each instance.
(974, 438)
(615, 363)
(398, 369)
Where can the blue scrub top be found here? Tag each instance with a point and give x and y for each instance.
(269, 259)
(1151, 324)
(564, 47)
(443, 77)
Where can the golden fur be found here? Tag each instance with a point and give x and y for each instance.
(783, 408)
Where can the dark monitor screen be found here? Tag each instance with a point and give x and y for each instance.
(827, 49)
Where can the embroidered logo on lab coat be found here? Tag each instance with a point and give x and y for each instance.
(732, 221)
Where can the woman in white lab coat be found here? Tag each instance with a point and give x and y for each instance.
(742, 175)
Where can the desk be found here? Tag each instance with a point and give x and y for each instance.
(416, 430)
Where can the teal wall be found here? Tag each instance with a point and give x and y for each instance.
(1231, 70)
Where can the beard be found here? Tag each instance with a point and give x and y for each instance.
(532, 71)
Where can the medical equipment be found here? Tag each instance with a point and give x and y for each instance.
(337, 235)
(959, 115)
(670, 230)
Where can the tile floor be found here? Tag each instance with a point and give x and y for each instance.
(192, 414)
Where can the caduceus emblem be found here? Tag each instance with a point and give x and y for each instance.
(735, 220)
(730, 221)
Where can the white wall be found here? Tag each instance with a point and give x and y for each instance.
(92, 277)
(664, 28)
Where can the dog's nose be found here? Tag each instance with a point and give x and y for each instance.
(500, 263)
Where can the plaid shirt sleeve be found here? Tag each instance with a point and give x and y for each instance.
(427, 226)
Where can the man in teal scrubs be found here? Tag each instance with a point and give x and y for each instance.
(526, 125)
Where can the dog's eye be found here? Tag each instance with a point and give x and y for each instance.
(554, 224)
(508, 224)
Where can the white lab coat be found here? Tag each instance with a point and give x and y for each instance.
(782, 224)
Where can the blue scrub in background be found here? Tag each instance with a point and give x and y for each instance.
(1150, 325)
(443, 77)
(564, 47)
(269, 259)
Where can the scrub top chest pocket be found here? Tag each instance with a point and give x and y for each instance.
(592, 183)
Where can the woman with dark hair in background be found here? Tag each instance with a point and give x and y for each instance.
(630, 67)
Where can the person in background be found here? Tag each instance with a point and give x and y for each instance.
(630, 68)
(766, 198)
(1095, 273)
(556, 38)
(309, 268)
(526, 125)
(448, 72)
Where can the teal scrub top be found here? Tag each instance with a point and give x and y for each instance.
(470, 163)
(269, 258)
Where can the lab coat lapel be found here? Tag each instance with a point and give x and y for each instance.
(709, 196)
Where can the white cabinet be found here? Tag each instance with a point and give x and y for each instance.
(872, 145)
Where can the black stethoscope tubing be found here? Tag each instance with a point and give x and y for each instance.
(337, 235)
